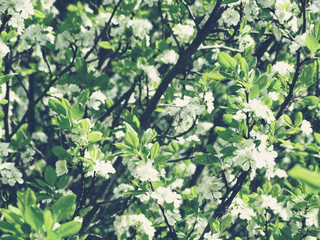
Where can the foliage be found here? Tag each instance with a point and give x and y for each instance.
(159, 119)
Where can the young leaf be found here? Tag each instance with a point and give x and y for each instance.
(226, 61)
(298, 119)
(57, 106)
(50, 176)
(226, 222)
(68, 229)
(77, 111)
(131, 140)
(94, 136)
(309, 178)
(312, 43)
(154, 150)
(64, 207)
(105, 45)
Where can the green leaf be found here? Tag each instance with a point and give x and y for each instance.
(105, 45)
(60, 152)
(308, 74)
(38, 14)
(64, 207)
(6, 78)
(77, 111)
(154, 150)
(311, 100)
(7, 227)
(317, 139)
(85, 125)
(34, 217)
(213, 75)
(301, 205)
(50, 176)
(316, 32)
(309, 178)
(48, 220)
(288, 132)
(62, 182)
(312, 43)
(131, 140)
(214, 225)
(254, 90)
(94, 136)
(244, 67)
(287, 120)
(63, 123)
(26, 199)
(83, 97)
(146, 137)
(226, 222)
(162, 158)
(57, 106)
(224, 133)
(68, 229)
(226, 61)
(298, 119)
(122, 146)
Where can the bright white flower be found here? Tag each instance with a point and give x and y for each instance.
(259, 109)
(120, 190)
(63, 40)
(4, 49)
(10, 174)
(245, 42)
(266, 3)
(162, 194)
(137, 221)
(210, 188)
(312, 217)
(151, 2)
(240, 115)
(184, 32)
(251, 10)
(173, 217)
(145, 171)
(5, 149)
(193, 138)
(208, 98)
(61, 167)
(140, 27)
(103, 168)
(306, 127)
(47, 4)
(299, 41)
(238, 207)
(96, 99)
(27, 156)
(85, 38)
(282, 68)
(168, 57)
(230, 17)
(212, 236)
(40, 136)
(152, 73)
(273, 96)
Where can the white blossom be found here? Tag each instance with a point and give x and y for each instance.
(163, 194)
(96, 99)
(282, 68)
(145, 171)
(61, 167)
(306, 127)
(184, 32)
(230, 17)
(168, 57)
(4, 49)
(10, 174)
(259, 109)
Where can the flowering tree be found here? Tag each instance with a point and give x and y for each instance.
(159, 119)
